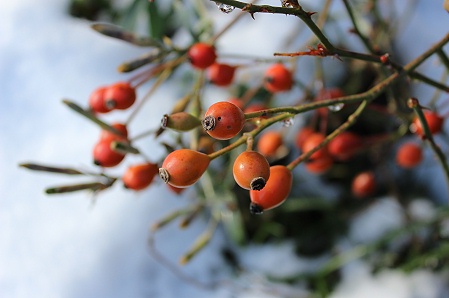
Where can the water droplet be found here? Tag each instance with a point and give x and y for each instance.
(336, 107)
(226, 8)
(288, 122)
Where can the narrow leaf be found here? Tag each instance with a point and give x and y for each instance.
(118, 33)
(153, 56)
(50, 169)
(89, 115)
(94, 186)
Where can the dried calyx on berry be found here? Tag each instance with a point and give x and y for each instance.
(181, 121)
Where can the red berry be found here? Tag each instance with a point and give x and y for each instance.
(278, 78)
(320, 165)
(364, 184)
(434, 121)
(183, 167)
(302, 135)
(221, 74)
(105, 156)
(344, 146)
(97, 102)
(223, 120)
(110, 136)
(409, 155)
(269, 143)
(312, 141)
(201, 55)
(275, 191)
(120, 95)
(251, 170)
(140, 176)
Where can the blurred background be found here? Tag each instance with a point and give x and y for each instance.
(76, 245)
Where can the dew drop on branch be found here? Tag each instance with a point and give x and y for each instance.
(225, 7)
(288, 122)
(336, 107)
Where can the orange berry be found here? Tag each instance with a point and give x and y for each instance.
(302, 135)
(223, 120)
(363, 184)
(105, 156)
(278, 78)
(274, 193)
(97, 102)
(320, 165)
(140, 176)
(434, 121)
(313, 140)
(269, 143)
(110, 136)
(344, 146)
(409, 155)
(237, 101)
(256, 107)
(201, 55)
(120, 95)
(251, 170)
(183, 167)
(221, 74)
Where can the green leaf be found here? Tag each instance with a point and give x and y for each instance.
(118, 33)
(50, 169)
(93, 186)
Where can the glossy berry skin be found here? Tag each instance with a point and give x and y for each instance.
(434, 121)
(140, 176)
(274, 193)
(278, 78)
(320, 165)
(110, 136)
(344, 146)
(251, 170)
(223, 120)
(302, 135)
(105, 156)
(363, 184)
(120, 95)
(183, 167)
(97, 102)
(409, 155)
(269, 143)
(202, 55)
(313, 140)
(221, 74)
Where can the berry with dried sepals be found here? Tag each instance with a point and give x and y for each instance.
(97, 102)
(183, 167)
(278, 78)
(274, 193)
(105, 156)
(138, 177)
(251, 170)
(221, 74)
(223, 120)
(202, 55)
(120, 95)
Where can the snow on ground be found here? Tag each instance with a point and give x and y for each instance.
(65, 246)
